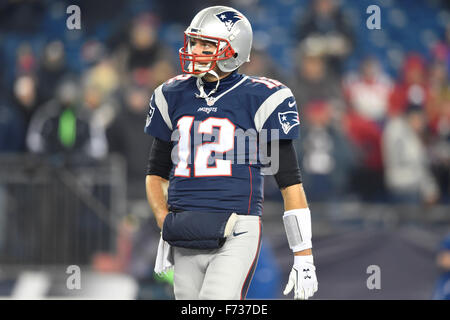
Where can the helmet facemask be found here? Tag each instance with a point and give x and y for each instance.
(200, 64)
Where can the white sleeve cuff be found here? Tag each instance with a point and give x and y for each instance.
(297, 224)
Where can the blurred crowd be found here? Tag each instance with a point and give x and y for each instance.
(365, 135)
(95, 110)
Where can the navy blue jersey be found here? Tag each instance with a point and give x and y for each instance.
(213, 169)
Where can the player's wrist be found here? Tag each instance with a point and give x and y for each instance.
(306, 252)
(301, 260)
(297, 224)
(160, 217)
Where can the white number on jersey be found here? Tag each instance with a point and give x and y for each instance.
(270, 83)
(203, 152)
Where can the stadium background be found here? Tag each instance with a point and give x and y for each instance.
(374, 147)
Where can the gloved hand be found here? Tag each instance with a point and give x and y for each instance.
(302, 278)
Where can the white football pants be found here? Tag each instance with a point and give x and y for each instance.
(219, 274)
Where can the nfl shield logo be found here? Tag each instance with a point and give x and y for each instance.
(210, 101)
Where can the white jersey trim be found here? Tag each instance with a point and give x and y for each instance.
(213, 100)
(269, 106)
(161, 104)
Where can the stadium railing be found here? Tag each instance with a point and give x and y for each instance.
(59, 210)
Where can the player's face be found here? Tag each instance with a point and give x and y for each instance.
(202, 47)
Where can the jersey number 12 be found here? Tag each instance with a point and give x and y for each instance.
(225, 143)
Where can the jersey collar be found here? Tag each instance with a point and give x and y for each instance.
(208, 89)
(225, 83)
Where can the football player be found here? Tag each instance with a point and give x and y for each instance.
(211, 214)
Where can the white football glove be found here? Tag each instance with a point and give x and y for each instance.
(302, 278)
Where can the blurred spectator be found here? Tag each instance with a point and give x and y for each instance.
(100, 90)
(365, 136)
(126, 137)
(324, 153)
(26, 60)
(52, 69)
(412, 88)
(368, 91)
(441, 50)
(261, 64)
(407, 169)
(438, 114)
(25, 96)
(143, 51)
(103, 75)
(442, 289)
(92, 52)
(314, 83)
(437, 108)
(61, 127)
(154, 76)
(440, 158)
(144, 47)
(325, 30)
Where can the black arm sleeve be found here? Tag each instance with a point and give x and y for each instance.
(160, 160)
(289, 172)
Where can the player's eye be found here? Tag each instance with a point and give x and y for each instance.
(209, 44)
(203, 44)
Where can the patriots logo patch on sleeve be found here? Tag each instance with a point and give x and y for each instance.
(151, 111)
(229, 18)
(288, 120)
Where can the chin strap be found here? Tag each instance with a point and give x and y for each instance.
(200, 85)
